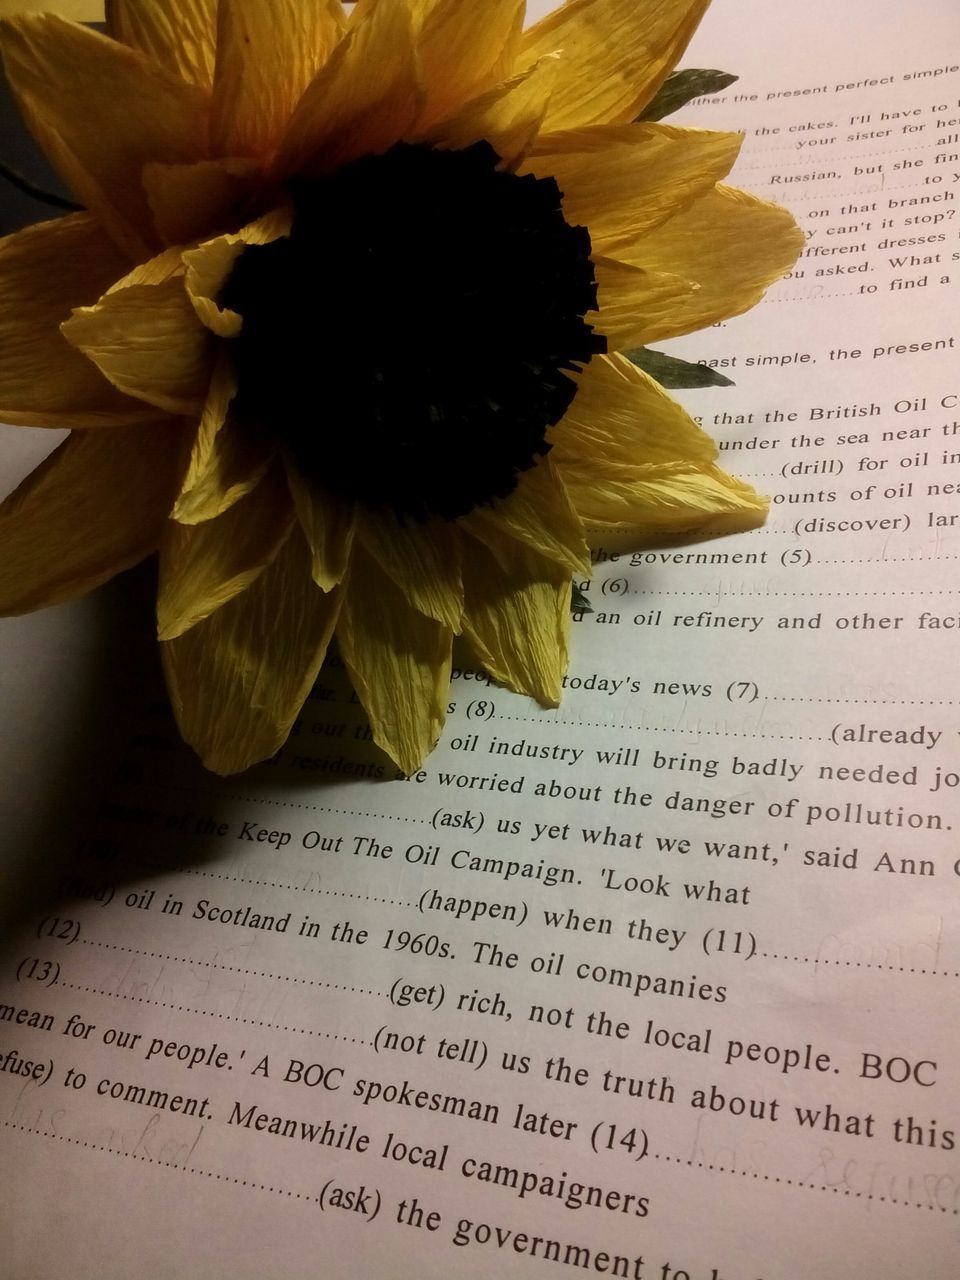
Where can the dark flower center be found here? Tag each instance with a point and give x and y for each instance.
(408, 341)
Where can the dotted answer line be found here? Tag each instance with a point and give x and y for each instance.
(882, 190)
(293, 804)
(208, 1013)
(861, 964)
(749, 151)
(827, 155)
(165, 1164)
(772, 527)
(837, 195)
(867, 702)
(791, 595)
(227, 968)
(808, 1186)
(653, 728)
(934, 559)
(816, 297)
(293, 888)
(893, 560)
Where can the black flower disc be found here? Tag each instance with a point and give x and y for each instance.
(409, 343)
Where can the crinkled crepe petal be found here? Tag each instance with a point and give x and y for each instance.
(622, 181)
(328, 525)
(734, 245)
(186, 200)
(45, 271)
(621, 417)
(365, 98)
(238, 679)
(75, 10)
(672, 499)
(509, 116)
(517, 620)
(148, 341)
(180, 36)
(100, 111)
(398, 660)
(463, 50)
(209, 265)
(227, 459)
(268, 51)
(538, 513)
(203, 566)
(604, 45)
(635, 303)
(631, 456)
(95, 506)
(422, 559)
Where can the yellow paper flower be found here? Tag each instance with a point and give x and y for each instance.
(339, 335)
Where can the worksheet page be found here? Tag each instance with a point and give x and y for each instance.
(663, 984)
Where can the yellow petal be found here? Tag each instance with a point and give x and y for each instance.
(364, 99)
(398, 660)
(732, 244)
(615, 55)
(623, 180)
(422, 560)
(100, 111)
(268, 51)
(75, 10)
(96, 506)
(46, 271)
(164, 267)
(671, 500)
(328, 526)
(517, 620)
(146, 338)
(634, 304)
(209, 265)
(228, 459)
(188, 201)
(204, 566)
(181, 36)
(623, 417)
(463, 50)
(238, 679)
(509, 116)
(537, 513)
(629, 455)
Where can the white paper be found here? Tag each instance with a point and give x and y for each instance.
(663, 984)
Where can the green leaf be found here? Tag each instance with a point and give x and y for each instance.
(579, 602)
(679, 88)
(670, 371)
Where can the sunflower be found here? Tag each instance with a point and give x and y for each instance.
(339, 334)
